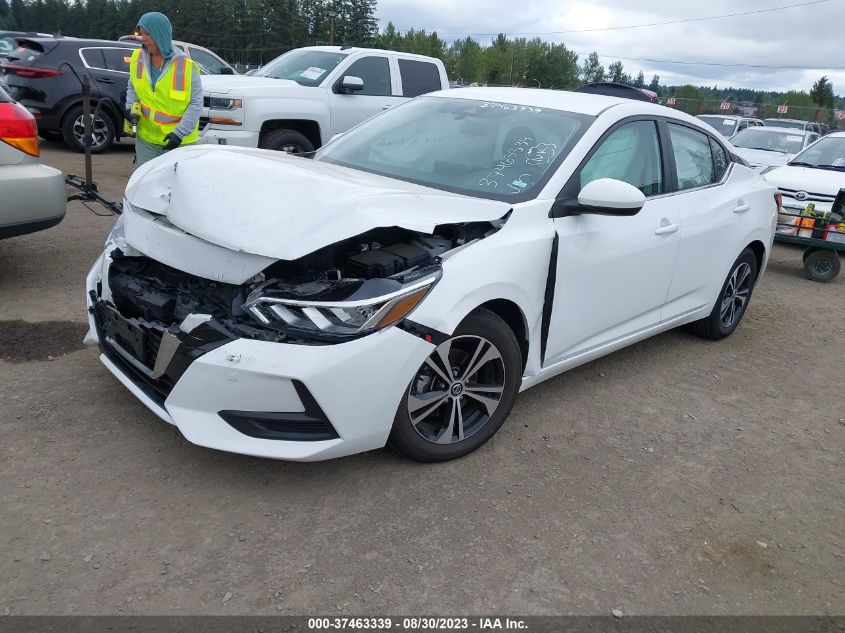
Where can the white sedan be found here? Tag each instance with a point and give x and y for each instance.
(424, 268)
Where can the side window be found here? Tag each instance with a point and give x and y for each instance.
(93, 57)
(720, 160)
(118, 58)
(375, 71)
(418, 78)
(693, 158)
(206, 60)
(632, 154)
(743, 125)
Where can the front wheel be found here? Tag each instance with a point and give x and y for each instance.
(462, 393)
(733, 300)
(288, 141)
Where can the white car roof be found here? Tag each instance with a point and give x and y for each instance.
(789, 130)
(357, 49)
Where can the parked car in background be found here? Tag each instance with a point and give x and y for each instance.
(767, 147)
(729, 124)
(814, 176)
(8, 41)
(300, 100)
(423, 269)
(44, 74)
(209, 62)
(32, 195)
(795, 124)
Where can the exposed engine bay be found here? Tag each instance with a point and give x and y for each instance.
(276, 305)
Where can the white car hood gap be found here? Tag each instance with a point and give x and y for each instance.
(284, 207)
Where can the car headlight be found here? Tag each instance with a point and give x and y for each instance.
(340, 317)
(224, 103)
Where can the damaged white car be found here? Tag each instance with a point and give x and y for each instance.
(404, 285)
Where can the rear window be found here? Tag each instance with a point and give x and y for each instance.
(118, 58)
(798, 125)
(7, 45)
(418, 78)
(93, 57)
(27, 52)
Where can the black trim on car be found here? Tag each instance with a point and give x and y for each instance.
(311, 425)
(548, 299)
(23, 228)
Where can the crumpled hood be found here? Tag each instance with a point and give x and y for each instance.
(762, 157)
(818, 181)
(276, 205)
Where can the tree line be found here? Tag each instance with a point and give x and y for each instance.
(251, 32)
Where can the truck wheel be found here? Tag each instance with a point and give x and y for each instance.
(289, 141)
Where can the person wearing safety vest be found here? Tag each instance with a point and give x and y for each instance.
(165, 90)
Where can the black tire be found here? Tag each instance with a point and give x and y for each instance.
(289, 141)
(72, 132)
(480, 336)
(716, 326)
(822, 265)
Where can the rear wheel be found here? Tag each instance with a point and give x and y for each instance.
(462, 393)
(73, 131)
(733, 300)
(288, 141)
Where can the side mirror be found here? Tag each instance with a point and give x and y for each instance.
(225, 70)
(351, 84)
(605, 196)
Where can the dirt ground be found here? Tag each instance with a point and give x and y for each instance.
(677, 476)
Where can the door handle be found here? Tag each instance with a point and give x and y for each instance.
(106, 81)
(667, 229)
(742, 207)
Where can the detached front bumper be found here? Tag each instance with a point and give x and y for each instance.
(276, 400)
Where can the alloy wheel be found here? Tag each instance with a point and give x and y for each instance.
(457, 390)
(736, 295)
(99, 131)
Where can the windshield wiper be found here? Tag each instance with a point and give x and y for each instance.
(800, 164)
(766, 149)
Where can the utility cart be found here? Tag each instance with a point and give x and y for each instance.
(821, 233)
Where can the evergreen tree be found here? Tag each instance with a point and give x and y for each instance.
(592, 70)
(822, 93)
(616, 73)
(639, 82)
(654, 85)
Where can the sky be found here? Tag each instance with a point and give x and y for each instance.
(809, 37)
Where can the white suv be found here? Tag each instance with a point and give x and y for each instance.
(298, 101)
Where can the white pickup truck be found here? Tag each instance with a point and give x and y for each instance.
(298, 101)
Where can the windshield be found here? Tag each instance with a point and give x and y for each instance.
(306, 67)
(725, 127)
(798, 125)
(771, 140)
(486, 149)
(826, 153)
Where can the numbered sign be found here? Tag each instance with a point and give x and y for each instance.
(841, 114)
(670, 101)
(726, 105)
(783, 109)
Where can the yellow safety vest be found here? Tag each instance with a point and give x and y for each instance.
(162, 108)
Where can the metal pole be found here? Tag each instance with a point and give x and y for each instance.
(331, 32)
(86, 116)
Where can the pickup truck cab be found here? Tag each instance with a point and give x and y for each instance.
(300, 100)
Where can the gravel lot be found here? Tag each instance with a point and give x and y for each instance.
(677, 476)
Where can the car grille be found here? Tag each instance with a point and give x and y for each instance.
(811, 197)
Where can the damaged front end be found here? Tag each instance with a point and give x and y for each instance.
(153, 320)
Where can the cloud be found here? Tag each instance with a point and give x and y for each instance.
(808, 37)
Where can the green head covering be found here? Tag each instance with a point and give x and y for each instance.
(159, 28)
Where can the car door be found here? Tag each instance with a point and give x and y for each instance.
(117, 63)
(711, 202)
(350, 109)
(612, 273)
